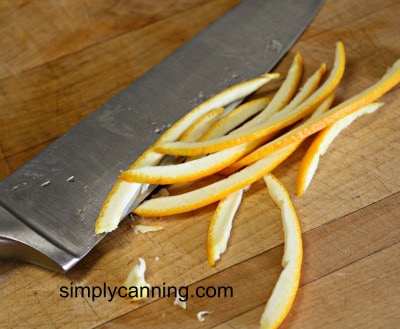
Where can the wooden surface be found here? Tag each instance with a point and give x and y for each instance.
(60, 60)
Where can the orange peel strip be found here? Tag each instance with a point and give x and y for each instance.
(284, 292)
(123, 193)
(317, 123)
(320, 144)
(116, 205)
(283, 96)
(279, 121)
(323, 107)
(305, 92)
(198, 198)
(236, 118)
(221, 225)
(232, 120)
(189, 171)
(203, 124)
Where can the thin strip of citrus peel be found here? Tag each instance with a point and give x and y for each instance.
(220, 226)
(233, 119)
(203, 124)
(309, 163)
(285, 93)
(284, 292)
(116, 205)
(369, 95)
(191, 170)
(236, 117)
(121, 196)
(322, 108)
(198, 198)
(280, 121)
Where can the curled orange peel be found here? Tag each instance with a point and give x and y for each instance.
(309, 163)
(191, 170)
(236, 117)
(220, 226)
(203, 124)
(282, 97)
(285, 290)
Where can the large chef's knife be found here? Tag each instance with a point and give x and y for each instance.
(48, 219)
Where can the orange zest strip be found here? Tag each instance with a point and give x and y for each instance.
(283, 96)
(116, 205)
(203, 124)
(221, 225)
(320, 144)
(198, 198)
(305, 92)
(323, 107)
(233, 119)
(369, 95)
(279, 121)
(236, 118)
(285, 290)
(189, 171)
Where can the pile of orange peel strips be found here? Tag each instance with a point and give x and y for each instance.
(245, 145)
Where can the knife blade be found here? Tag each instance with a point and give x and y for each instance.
(46, 219)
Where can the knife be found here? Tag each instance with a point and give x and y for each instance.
(48, 207)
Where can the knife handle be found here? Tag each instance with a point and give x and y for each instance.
(18, 241)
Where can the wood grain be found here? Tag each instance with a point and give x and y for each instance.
(62, 59)
(60, 28)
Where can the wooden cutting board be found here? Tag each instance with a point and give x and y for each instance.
(60, 60)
